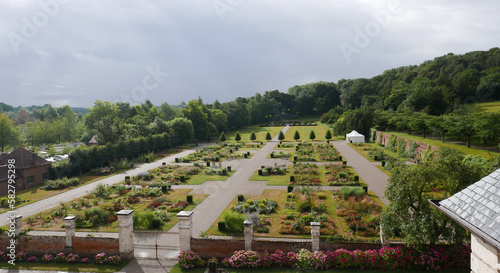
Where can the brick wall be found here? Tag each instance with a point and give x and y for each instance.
(83, 246)
(224, 247)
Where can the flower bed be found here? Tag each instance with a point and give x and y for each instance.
(437, 257)
(213, 153)
(304, 206)
(327, 152)
(101, 258)
(359, 211)
(341, 175)
(305, 174)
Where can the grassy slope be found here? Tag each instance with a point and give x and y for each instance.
(492, 106)
(438, 143)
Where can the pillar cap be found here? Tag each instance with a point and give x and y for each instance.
(19, 216)
(247, 223)
(185, 213)
(315, 224)
(125, 212)
(70, 217)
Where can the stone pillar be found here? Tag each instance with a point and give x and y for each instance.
(248, 234)
(18, 224)
(315, 235)
(125, 231)
(18, 228)
(185, 230)
(69, 225)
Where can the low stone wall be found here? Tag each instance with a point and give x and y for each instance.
(224, 247)
(84, 246)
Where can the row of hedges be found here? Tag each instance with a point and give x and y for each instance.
(437, 257)
(83, 158)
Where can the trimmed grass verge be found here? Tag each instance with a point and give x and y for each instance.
(64, 267)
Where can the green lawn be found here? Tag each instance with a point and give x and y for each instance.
(64, 267)
(438, 143)
(245, 133)
(492, 106)
(272, 180)
(304, 132)
(202, 178)
(364, 153)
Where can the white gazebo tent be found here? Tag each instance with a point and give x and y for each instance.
(355, 137)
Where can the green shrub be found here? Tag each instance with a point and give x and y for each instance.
(352, 191)
(304, 206)
(189, 199)
(60, 183)
(221, 226)
(263, 230)
(233, 221)
(148, 219)
(241, 198)
(342, 175)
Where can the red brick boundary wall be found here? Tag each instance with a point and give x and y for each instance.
(224, 247)
(420, 148)
(83, 246)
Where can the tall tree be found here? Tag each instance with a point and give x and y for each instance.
(195, 112)
(237, 136)
(222, 137)
(183, 130)
(8, 132)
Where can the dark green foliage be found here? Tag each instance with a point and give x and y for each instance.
(268, 136)
(222, 137)
(281, 136)
(296, 135)
(189, 199)
(328, 134)
(253, 137)
(241, 198)
(221, 226)
(312, 135)
(237, 137)
(60, 183)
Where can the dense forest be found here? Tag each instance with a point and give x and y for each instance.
(436, 89)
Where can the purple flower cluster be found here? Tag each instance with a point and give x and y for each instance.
(403, 257)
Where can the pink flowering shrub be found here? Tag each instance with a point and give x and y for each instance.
(60, 258)
(387, 258)
(47, 258)
(72, 258)
(190, 259)
(101, 258)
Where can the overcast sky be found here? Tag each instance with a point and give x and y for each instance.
(77, 51)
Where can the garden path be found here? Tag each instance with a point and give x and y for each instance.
(368, 171)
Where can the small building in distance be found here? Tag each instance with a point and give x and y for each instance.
(28, 170)
(93, 141)
(477, 208)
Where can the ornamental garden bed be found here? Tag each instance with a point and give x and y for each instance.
(212, 153)
(321, 152)
(359, 211)
(340, 218)
(172, 174)
(341, 175)
(153, 209)
(276, 176)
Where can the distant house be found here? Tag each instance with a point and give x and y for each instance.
(30, 169)
(93, 141)
(477, 208)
